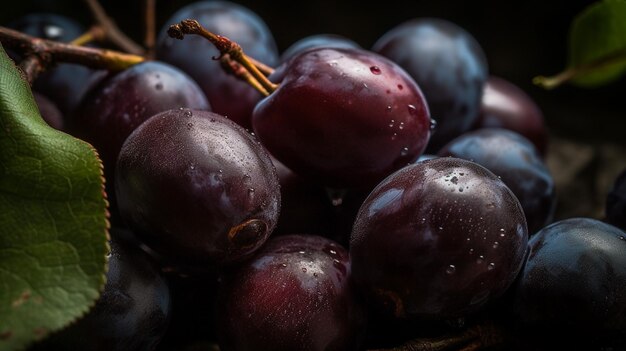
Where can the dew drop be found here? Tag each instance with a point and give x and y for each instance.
(405, 151)
(301, 252)
(375, 70)
(192, 166)
(365, 86)
(621, 237)
(412, 109)
(440, 228)
(333, 252)
(315, 275)
(480, 259)
(451, 269)
(212, 119)
(471, 251)
(158, 86)
(188, 113)
(401, 126)
(433, 124)
(491, 266)
(496, 244)
(461, 189)
(388, 108)
(303, 270)
(454, 180)
(250, 191)
(283, 265)
(400, 86)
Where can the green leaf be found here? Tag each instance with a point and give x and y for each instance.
(53, 220)
(597, 46)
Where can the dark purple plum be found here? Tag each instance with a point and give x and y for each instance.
(572, 284)
(344, 117)
(305, 206)
(505, 105)
(49, 111)
(131, 314)
(66, 84)
(449, 66)
(197, 188)
(228, 95)
(122, 102)
(295, 294)
(318, 41)
(616, 202)
(437, 240)
(517, 162)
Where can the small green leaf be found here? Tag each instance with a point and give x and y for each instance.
(597, 47)
(53, 222)
(598, 42)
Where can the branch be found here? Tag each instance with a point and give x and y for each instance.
(113, 33)
(32, 66)
(150, 26)
(95, 33)
(40, 53)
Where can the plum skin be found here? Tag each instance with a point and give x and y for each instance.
(343, 117)
(437, 240)
(197, 188)
(295, 294)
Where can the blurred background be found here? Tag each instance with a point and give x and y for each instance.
(521, 39)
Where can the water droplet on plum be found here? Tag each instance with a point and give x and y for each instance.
(433, 124)
(412, 110)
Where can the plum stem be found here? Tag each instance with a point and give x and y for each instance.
(149, 40)
(225, 46)
(112, 31)
(231, 66)
(40, 53)
(612, 59)
(94, 33)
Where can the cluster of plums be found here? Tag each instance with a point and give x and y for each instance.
(400, 185)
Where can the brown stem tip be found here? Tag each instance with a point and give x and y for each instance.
(225, 47)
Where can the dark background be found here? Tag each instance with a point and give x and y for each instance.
(521, 39)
